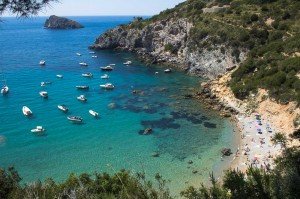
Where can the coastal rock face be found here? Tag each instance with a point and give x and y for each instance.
(168, 42)
(55, 22)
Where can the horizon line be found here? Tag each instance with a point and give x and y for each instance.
(77, 16)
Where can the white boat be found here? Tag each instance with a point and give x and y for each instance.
(156, 73)
(63, 108)
(105, 76)
(4, 89)
(112, 64)
(82, 98)
(168, 70)
(107, 68)
(82, 87)
(87, 75)
(26, 111)
(42, 62)
(78, 54)
(94, 113)
(44, 94)
(107, 86)
(83, 64)
(38, 129)
(94, 56)
(127, 63)
(59, 76)
(75, 119)
(92, 52)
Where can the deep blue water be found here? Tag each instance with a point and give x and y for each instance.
(182, 129)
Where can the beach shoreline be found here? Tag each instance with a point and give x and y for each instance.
(256, 122)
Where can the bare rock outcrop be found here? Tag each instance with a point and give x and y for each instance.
(55, 22)
(169, 42)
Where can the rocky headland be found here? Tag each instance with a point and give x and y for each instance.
(169, 42)
(55, 22)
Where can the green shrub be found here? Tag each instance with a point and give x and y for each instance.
(170, 48)
(254, 17)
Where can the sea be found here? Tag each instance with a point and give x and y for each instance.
(186, 137)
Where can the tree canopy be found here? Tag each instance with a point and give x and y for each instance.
(23, 8)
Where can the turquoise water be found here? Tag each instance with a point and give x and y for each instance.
(182, 129)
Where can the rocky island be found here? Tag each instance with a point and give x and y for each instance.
(55, 22)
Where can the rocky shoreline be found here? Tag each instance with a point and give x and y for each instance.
(211, 101)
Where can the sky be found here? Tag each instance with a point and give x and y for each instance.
(108, 7)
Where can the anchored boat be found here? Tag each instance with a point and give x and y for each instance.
(38, 129)
(26, 111)
(107, 86)
(75, 119)
(94, 113)
(63, 108)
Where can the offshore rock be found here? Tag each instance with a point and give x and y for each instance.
(55, 22)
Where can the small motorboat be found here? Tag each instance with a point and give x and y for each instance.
(78, 54)
(38, 129)
(94, 56)
(4, 90)
(83, 64)
(42, 62)
(82, 98)
(168, 70)
(87, 75)
(107, 68)
(94, 113)
(92, 52)
(112, 64)
(44, 94)
(75, 119)
(63, 108)
(59, 76)
(26, 111)
(127, 63)
(82, 87)
(105, 76)
(108, 86)
(156, 73)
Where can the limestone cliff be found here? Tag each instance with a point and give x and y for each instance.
(169, 42)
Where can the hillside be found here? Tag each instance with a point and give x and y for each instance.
(210, 38)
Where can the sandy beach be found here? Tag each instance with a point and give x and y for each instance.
(256, 148)
(258, 120)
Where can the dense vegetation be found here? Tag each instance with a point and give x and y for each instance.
(120, 185)
(282, 182)
(275, 63)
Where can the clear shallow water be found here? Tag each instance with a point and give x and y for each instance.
(183, 131)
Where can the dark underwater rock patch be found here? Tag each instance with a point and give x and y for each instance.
(187, 116)
(163, 123)
(210, 125)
